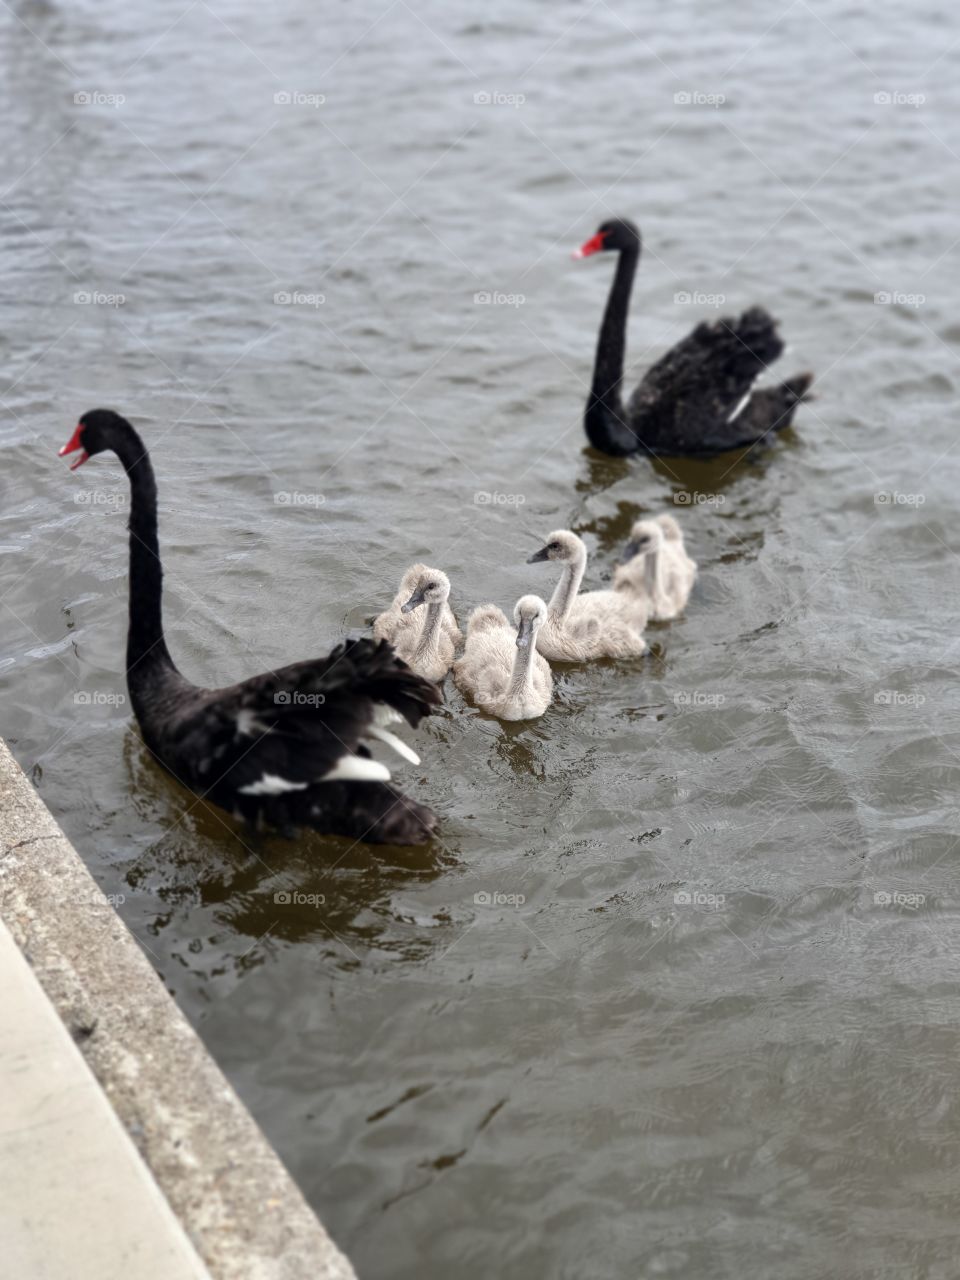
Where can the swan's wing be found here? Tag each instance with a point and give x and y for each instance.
(628, 579)
(591, 613)
(697, 391)
(584, 628)
(542, 675)
(304, 724)
(385, 627)
(394, 626)
(486, 617)
(680, 572)
(671, 530)
(487, 658)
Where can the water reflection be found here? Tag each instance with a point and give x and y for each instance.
(262, 889)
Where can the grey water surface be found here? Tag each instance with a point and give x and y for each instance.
(677, 991)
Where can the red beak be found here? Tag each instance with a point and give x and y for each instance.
(72, 445)
(593, 245)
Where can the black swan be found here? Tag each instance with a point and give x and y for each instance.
(697, 398)
(284, 749)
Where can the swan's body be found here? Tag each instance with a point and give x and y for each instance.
(501, 669)
(285, 749)
(593, 624)
(699, 397)
(426, 642)
(655, 566)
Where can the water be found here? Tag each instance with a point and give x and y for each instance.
(605, 1080)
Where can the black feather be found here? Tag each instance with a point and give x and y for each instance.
(293, 725)
(690, 400)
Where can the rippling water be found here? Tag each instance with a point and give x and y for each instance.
(719, 1035)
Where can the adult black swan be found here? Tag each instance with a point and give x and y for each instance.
(285, 749)
(696, 399)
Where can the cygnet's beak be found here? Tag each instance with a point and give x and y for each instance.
(414, 602)
(542, 554)
(632, 549)
(524, 632)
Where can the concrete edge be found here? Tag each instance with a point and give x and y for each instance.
(224, 1182)
(75, 1198)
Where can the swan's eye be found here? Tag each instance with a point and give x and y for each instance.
(554, 546)
(431, 586)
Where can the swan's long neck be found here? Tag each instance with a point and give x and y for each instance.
(605, 420)
(522, 667)
(566, 590)
(561, 602)
(146, 647)
(429, 641)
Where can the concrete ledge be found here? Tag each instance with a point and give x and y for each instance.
(224, 1183)
(75, 1197)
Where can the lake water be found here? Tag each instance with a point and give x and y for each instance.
(718, 1037)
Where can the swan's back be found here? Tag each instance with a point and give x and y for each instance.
(487, 617)
(489, 649)
(611, 610)
(600, 624)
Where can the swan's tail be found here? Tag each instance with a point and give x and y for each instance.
(374, 812)
(773, 408)
(374, 671)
